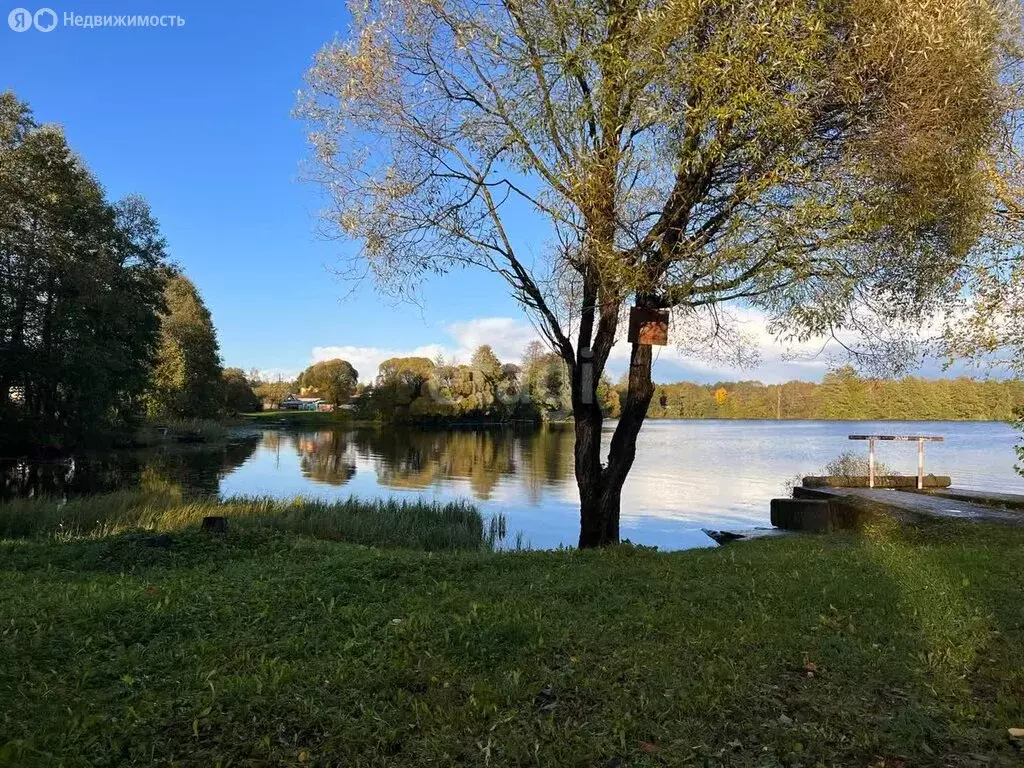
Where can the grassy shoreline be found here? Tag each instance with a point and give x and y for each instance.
(162, 508)
(274, 647)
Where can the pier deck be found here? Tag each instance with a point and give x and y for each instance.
(990, 498)
(951, 503)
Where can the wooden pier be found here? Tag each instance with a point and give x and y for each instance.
(822, 504)
(912, 506)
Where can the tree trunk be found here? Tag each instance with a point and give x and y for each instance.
(601, 487)
(588, 422)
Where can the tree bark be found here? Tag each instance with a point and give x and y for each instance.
(600, 486)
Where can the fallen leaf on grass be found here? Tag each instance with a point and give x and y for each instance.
(1016, 733)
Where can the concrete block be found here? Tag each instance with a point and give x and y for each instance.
(881, 481)
(809, 515)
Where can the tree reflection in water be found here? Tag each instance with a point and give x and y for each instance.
(401, 459)
(416, 459)
(197, 470)
(324, 455)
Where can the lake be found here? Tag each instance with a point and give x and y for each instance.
(688, 475)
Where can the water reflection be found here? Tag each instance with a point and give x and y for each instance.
(414, 460)
(687, 475)
(325, 456)
(197, 469)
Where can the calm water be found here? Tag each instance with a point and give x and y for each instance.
(688, 474)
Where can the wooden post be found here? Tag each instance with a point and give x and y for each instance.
(920, 464)
(901, 438)
(871, 463)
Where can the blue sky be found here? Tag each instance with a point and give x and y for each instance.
(197, 119)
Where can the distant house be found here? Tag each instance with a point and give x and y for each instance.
(295, 403)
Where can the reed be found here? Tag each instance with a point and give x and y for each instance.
(383, 523)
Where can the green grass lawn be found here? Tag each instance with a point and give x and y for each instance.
(901, 647)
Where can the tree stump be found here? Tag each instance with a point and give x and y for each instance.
(215, 524)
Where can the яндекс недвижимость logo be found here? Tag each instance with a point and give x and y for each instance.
(46, 20)
(22, 19)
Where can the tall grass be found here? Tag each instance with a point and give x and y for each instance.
(183, 430)
(846, 464)
(384, 523)
(849, 464)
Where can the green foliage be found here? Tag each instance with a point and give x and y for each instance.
(80, 286)
(272, 392)
(161, 508)
(186, 379)
(608, 396)
(485, 362)
(900, 647)
(846, 464)
(418, 390)
(832, 164)
(411, 372)
(843, 395)
(546, 379)
(332, 380)
(1018, 423)
(849, 464)
(238, 393)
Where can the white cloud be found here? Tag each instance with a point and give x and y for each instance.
(758, 356)
(367, 359)
(508, 337)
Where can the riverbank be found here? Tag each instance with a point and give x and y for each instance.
(898, 647)
(354, 420)
(302, 419)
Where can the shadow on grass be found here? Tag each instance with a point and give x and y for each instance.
(798, 651)
(129, 552)
(960, 585)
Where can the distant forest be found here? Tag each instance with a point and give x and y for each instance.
(419, 390)
(843, 394)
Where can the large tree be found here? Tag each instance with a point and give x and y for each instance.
(333, 380)
(80, 287)
(186, 379)
(820, 160)
(237, 391)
